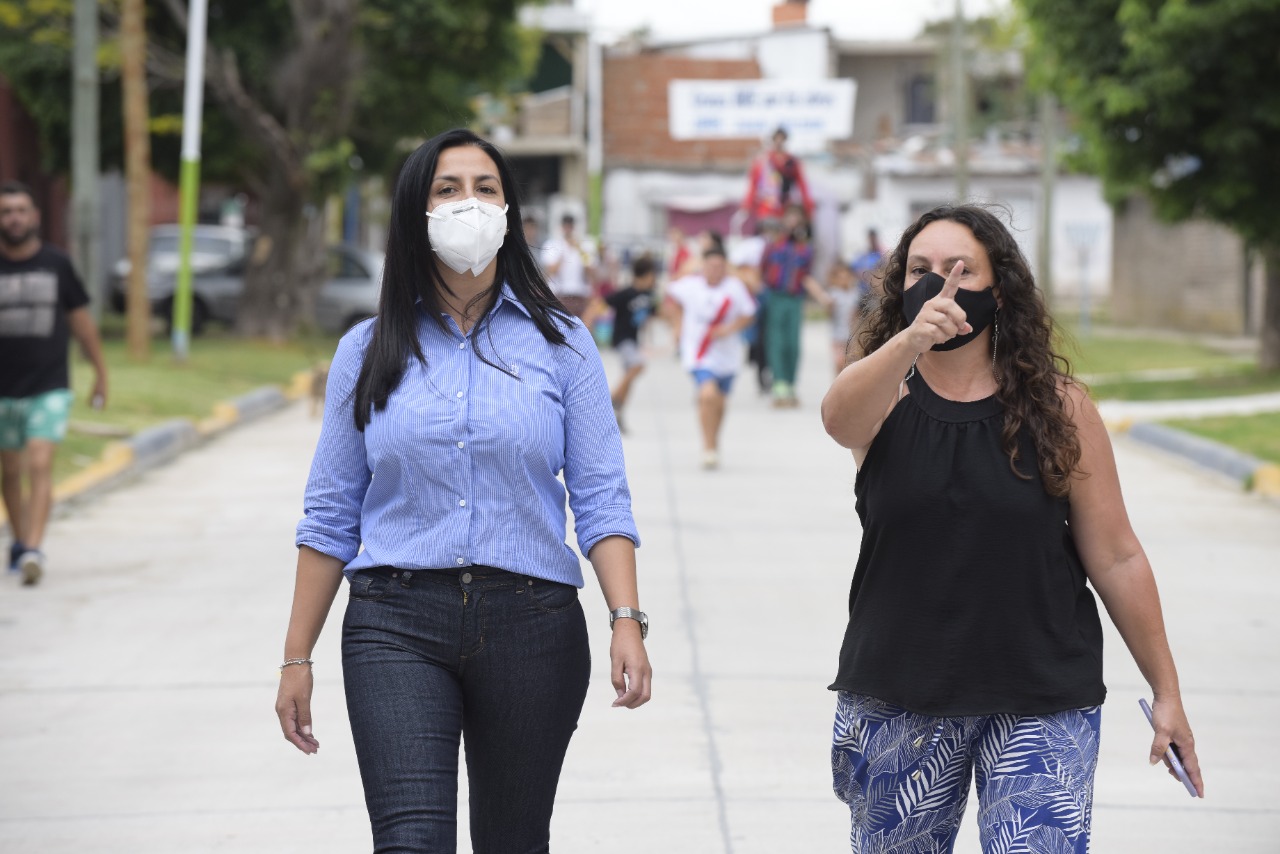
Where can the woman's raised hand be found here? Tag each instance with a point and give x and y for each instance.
(941, 318)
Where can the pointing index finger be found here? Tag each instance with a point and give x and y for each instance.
(952, 284)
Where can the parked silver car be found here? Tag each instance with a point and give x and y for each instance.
(214, 249)
(349, 293)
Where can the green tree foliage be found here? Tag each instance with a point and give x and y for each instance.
(299, 93)
(35, 59)
(1177, 99)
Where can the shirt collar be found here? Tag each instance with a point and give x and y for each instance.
(504, 295)
(508, 295)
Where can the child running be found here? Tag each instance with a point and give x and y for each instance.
(846, 294)
(711, 309)
(632, 307)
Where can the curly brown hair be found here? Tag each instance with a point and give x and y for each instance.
(1030, 375)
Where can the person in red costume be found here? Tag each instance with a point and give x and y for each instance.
(776, 180)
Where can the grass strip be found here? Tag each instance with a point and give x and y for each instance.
(1237, 381)
(141, 394)
(1114, 353)
(1257, 435)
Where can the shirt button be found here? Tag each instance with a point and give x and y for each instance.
(462, 502)
(462, 444)
(462, 346)
(459, 394)
(461, 561)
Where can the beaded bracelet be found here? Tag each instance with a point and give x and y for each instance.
(295, 661)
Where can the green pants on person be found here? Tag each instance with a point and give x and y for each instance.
(782, 340)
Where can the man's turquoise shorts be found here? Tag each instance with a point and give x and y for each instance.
(43, 416)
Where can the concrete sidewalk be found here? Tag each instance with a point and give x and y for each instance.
(136, 683)
(1167, 410)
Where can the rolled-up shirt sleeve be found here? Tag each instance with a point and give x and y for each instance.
(594, 470)
(340, 472)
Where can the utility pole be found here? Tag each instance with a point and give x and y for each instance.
(960, 103)
(595, 136)
(189, 177)
(87, 236)
(1048, 109)
(137, 156)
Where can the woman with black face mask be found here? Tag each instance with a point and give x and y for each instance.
(990, 505)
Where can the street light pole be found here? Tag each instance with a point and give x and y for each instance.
(1048, 179)
(189, 181)
(960, 97)
(87, 235)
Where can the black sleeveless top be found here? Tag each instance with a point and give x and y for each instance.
(968, 597)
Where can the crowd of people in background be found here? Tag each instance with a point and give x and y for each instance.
(728, 302)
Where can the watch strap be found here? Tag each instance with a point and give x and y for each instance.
(628, 613)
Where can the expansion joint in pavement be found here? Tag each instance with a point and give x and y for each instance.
(700, 688)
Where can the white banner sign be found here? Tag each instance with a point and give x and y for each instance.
(816, 110)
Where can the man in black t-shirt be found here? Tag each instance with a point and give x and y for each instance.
(631, 308)
(42, 306)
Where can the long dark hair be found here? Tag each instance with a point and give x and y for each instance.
(1029, 373)
(411, 274)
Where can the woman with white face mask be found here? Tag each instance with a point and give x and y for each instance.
(435, 491)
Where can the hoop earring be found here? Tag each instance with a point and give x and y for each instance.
(995, 346)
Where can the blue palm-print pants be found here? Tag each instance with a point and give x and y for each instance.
(905, 777)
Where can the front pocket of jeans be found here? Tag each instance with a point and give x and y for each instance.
(551, 596)
(368, 587)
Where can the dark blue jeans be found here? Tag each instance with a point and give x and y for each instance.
(498, 659)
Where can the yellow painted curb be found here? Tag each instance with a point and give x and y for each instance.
(1266, 481)
(224, 415)
(116, 457)
(300, 386)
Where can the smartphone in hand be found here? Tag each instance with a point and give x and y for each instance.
(1171, 754)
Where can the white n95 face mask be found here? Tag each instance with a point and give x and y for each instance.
(467, 234)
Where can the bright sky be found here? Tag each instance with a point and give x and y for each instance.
(851, 19)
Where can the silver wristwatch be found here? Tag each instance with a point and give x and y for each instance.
(625, 613)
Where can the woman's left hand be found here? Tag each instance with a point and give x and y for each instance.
(1171, 726)
(632, 676)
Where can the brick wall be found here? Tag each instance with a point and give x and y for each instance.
(1188, 276)
(635, 113)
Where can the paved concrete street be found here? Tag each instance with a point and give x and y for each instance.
(137, 682)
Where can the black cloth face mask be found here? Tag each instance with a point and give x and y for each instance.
(979, 307)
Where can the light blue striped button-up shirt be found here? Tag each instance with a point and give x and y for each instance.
(462, 466)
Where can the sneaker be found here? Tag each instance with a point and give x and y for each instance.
(710, 460)
(31, 565)
(16, 551)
